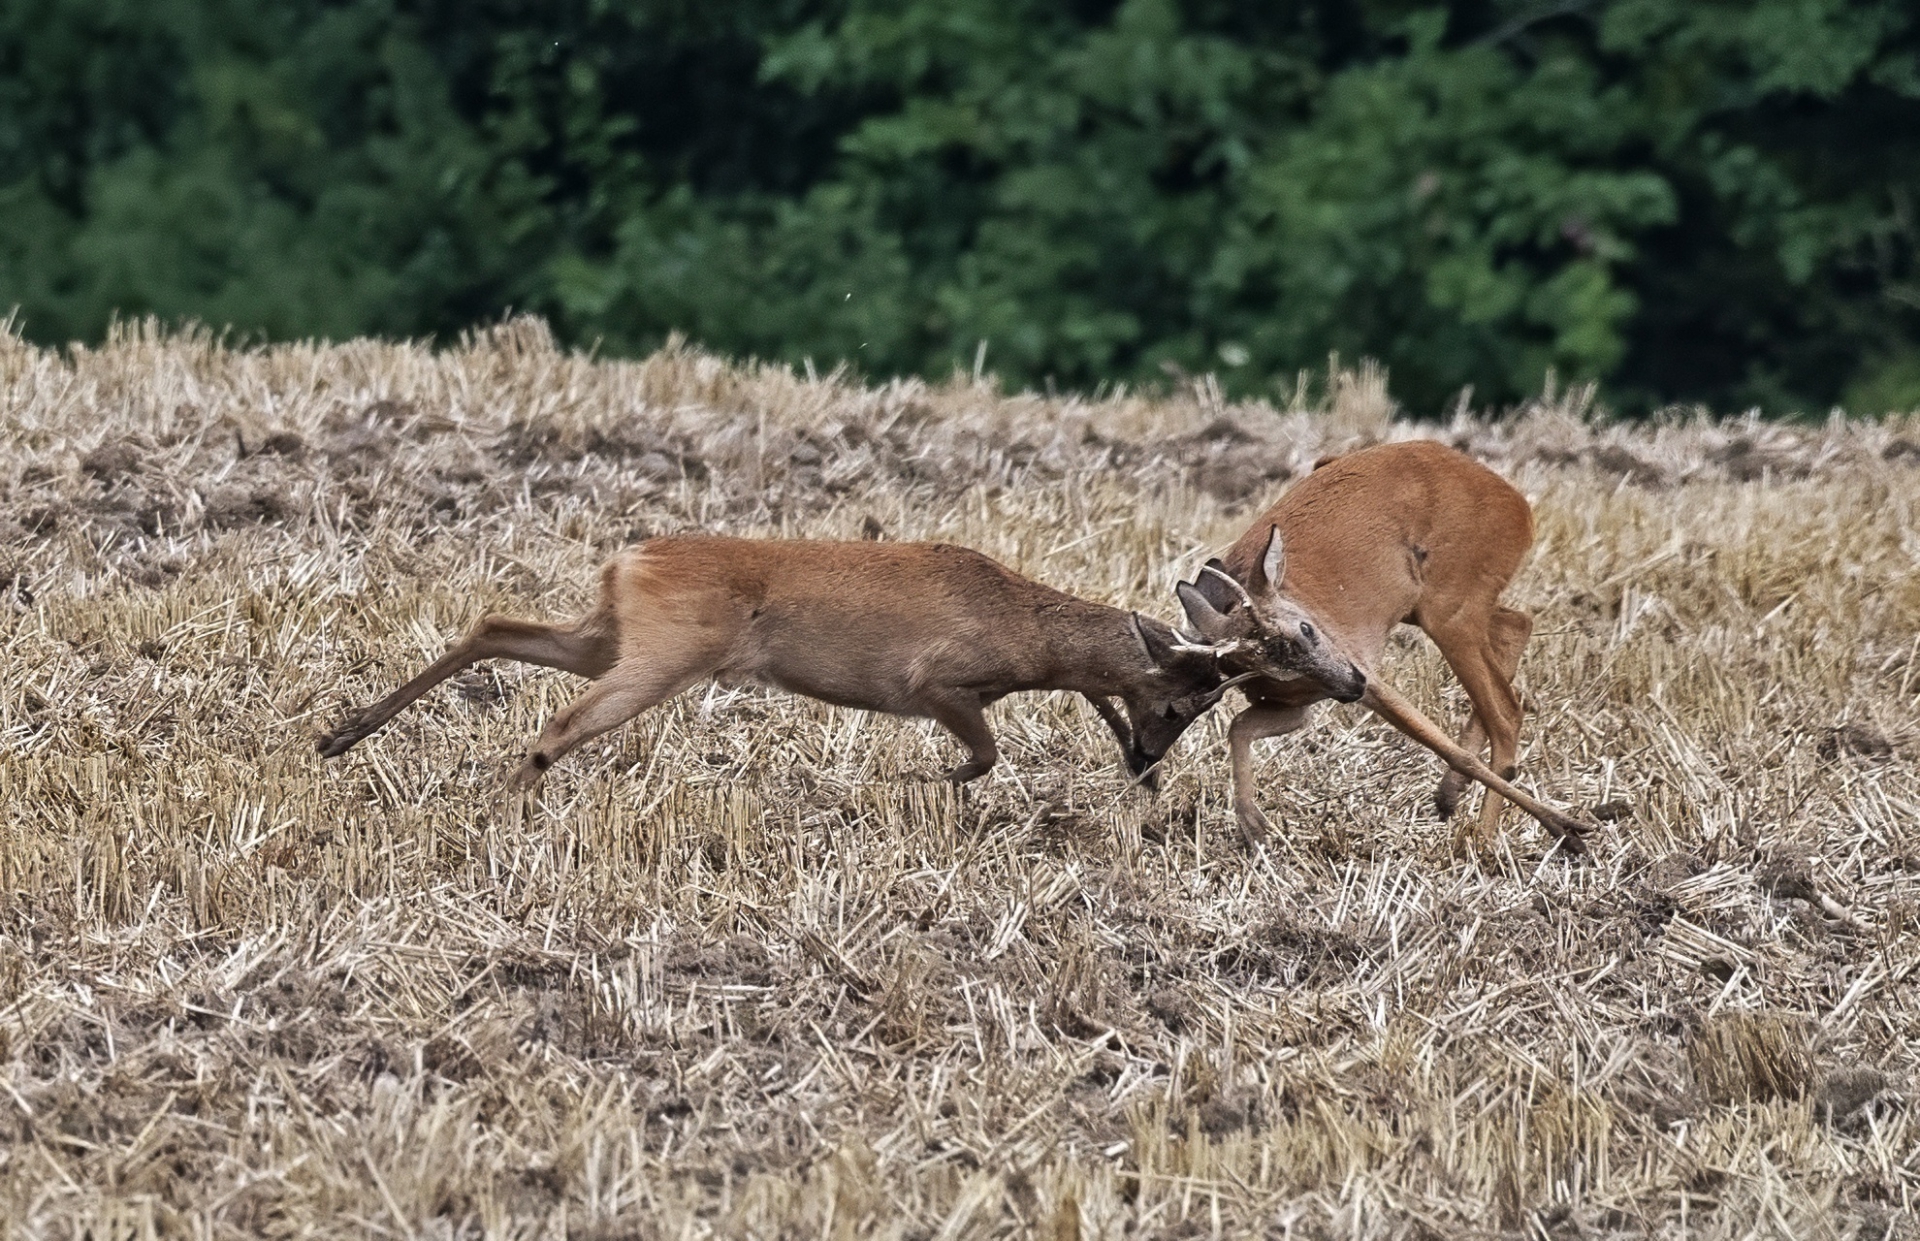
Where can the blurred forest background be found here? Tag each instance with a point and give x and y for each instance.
(1685, 200)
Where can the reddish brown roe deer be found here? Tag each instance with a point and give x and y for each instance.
(1410, 533)
(916, 629)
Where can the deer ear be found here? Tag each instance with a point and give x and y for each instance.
(1159, 646)
(1204, 618)
(1274, 564)
(1213, 590)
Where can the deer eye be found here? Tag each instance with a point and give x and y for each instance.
(1306, 632)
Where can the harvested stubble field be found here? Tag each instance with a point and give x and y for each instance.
(745, 969)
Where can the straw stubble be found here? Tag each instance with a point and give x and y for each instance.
(745, 968)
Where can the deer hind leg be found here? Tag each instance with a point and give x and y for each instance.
(1255, 724)
(1493, 660)
(1496, 715)
(634, 685)
(586, 649)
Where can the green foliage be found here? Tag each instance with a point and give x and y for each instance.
(1711, 201)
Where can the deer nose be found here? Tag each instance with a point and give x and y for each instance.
(1357, 686)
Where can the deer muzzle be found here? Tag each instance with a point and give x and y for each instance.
(1352, 687)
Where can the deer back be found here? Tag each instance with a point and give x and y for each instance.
(864, 624)
(1373, 537)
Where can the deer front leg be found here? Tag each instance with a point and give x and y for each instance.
(1251, 725)
(1122, 730)
(1386, 703)
(1115, 721)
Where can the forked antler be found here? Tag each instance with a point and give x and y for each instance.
(1187, 646)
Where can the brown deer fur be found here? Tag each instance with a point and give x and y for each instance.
(1412, 533)
(916, 629)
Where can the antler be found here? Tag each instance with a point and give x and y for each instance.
(1232, 581)
(1220, 691)
(1183, 644)
(1187, 646)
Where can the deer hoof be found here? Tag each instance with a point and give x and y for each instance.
(1570, 833)
(1255, 827)
(1571, 828)
(529, 773)
(340, 740)
(1471, 841)
(967, 772)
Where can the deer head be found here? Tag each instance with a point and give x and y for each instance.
(1264, 632)
(1185, 682)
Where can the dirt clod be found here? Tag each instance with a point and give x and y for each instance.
(1751, 1057)
(113, 460)
(1857, 740)
(232, 506)
(1623, 464)
(477, 686)
(284, 444)
(1844, 1091)
(1171, 1007)
(1789, 878)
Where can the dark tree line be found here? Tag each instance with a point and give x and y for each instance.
(1711, 200)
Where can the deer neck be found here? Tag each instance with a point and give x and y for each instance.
(1093, 649)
